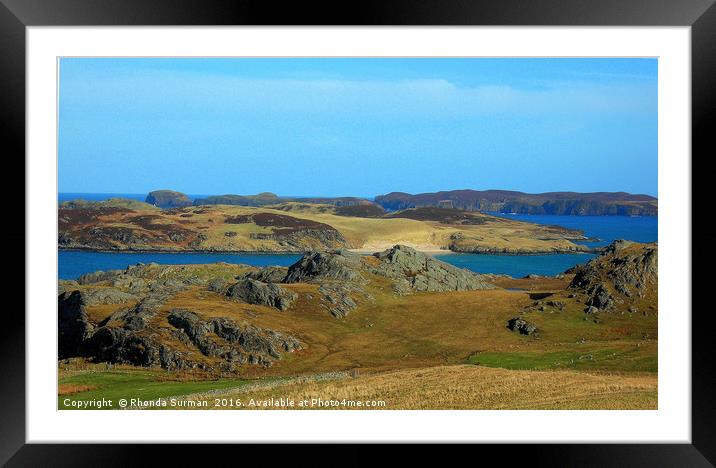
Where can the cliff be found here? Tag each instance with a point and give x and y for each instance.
(504, 201)
(168, 199)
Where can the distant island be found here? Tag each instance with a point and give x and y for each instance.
(506, 201)
(457, 221)
(268, 223)
(498, 201)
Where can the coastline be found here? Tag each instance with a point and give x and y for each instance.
(297, 252)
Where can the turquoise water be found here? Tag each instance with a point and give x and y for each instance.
(606, 228)
(72, 264)
(516, 266)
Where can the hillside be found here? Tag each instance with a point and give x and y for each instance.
(504, 201)
(300, 227)
(268, 198)
(385, 314)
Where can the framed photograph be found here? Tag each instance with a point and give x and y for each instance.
(440, 224)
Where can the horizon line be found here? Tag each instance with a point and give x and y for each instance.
(354, 196)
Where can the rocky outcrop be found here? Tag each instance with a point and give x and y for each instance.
(522, 326)
(142, 331)
(224, 338)
(415, 271)
(269, 274)
(340, 265)
(337, 297)
(343, 274)
(98, 276)
(339, 274)
(107, 296)
(256, 292)
(137, 318)
(168, 199)
(623, 273)
(128, 337)
(72, 322)
(124, 346)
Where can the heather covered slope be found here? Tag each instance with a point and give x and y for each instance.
(300, 227)
(506, 201)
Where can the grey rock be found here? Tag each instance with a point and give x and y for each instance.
(73, 324)
(225, 338)
(415, 271)
(620, 273)
(337, 299)
(118, 345)
(67, 286)
(256, 292)
(600, 297)
(218, 285)
(330, 265)
(138, 317)
(522, 326)
(98, 276)
(107, 296)
(269, 274)
(556, 304)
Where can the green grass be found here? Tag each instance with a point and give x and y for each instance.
(601, 359)
(141, 384)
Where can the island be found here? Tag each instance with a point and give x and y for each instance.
(252, 224)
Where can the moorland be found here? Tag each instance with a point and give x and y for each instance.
(237, 225)
(397, 325)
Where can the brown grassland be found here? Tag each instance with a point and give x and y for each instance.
(425, 350)
(459, 387)
(212, 228)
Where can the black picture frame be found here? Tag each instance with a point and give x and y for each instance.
(16, 15)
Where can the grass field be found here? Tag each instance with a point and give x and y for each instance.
(93, 383)
(438, 387)
(606, 359)
(461, 387)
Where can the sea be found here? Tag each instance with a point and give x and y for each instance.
(601, 230)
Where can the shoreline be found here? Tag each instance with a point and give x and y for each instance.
(288, 252)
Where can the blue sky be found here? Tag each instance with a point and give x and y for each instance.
(357, 126)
